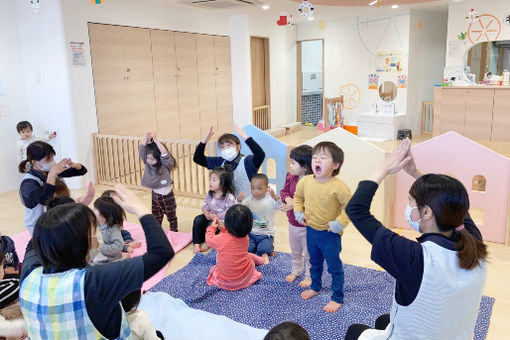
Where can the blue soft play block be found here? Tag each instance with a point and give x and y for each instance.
(273, 148)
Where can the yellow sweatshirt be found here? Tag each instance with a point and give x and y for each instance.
(322, 202)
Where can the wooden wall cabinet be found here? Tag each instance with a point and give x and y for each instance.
(478, 113)
(177, 84)
(123, 79)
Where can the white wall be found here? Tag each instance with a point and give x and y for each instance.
(427, 50)
(282, 63)
(350, 45)
(13, 100)
(311, 55)
(45, 63)
(457, 23)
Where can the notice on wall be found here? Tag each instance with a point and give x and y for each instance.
(373, 81)
(77, 52)
(388, 61)
(402, 81)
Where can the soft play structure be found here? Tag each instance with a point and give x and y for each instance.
(361, 158)
(484, 173)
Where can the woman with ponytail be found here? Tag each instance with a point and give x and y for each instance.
(440, 278)
(40, 180)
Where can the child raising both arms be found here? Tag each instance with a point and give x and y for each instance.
(243, 167)
(299, 166)
(319, 203)
(157, 176)
(263, 202)
(235, 267)
(218, 200)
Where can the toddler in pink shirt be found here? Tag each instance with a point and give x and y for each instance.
(235, 267)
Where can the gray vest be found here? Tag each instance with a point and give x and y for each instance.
(241, 180)
(31, 215)
(447, 303)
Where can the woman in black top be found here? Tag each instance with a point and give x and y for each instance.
(63, 237)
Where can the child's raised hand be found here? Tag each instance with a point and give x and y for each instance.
(209, 134)
(87, 198)
(272, 194)
(147, 138)
(241, 196)
(129, 201)
(240, 132)
(52, 135)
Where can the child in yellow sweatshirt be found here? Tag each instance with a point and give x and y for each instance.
(319, 203)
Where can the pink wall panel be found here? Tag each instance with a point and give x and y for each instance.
(456, 155)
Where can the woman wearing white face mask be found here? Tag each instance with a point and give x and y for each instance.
(38, 184)
(440, 278)
(243, 167)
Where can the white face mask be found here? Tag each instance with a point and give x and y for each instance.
(413, 224)
(45, 167)
(229, 154)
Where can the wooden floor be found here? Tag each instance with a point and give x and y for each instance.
(355, 249)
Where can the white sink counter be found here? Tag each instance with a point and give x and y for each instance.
(380, 125)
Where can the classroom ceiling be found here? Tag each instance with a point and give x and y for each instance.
(366, 2)
(323, 8)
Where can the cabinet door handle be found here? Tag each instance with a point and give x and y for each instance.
(128, 69)
(178, 69)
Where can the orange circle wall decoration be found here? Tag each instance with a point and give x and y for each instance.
(487, 28)
(352, 95)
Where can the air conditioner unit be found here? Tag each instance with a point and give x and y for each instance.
(220, 4)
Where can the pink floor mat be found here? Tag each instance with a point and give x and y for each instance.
(177, 239)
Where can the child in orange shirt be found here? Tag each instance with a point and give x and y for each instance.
(235, 267)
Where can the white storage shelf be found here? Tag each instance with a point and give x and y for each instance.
(380, 125)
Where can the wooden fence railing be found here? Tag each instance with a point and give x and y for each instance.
(262, 117)
(427, 118)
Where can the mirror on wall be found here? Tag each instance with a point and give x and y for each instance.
(388, 91)
(488, 56)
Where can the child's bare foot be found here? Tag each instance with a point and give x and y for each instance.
(204, 247)
(266, 258)
(196, 248)
(290, 278)
(305, 283)
(309, 293)
(134, 244)
(129, 250)
(332, 306)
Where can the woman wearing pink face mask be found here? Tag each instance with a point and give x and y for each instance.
(440, 278)
(38, 184)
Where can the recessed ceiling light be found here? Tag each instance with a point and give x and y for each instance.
(372, 3)
(266, 7)
(310, 18)
(394, 6)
